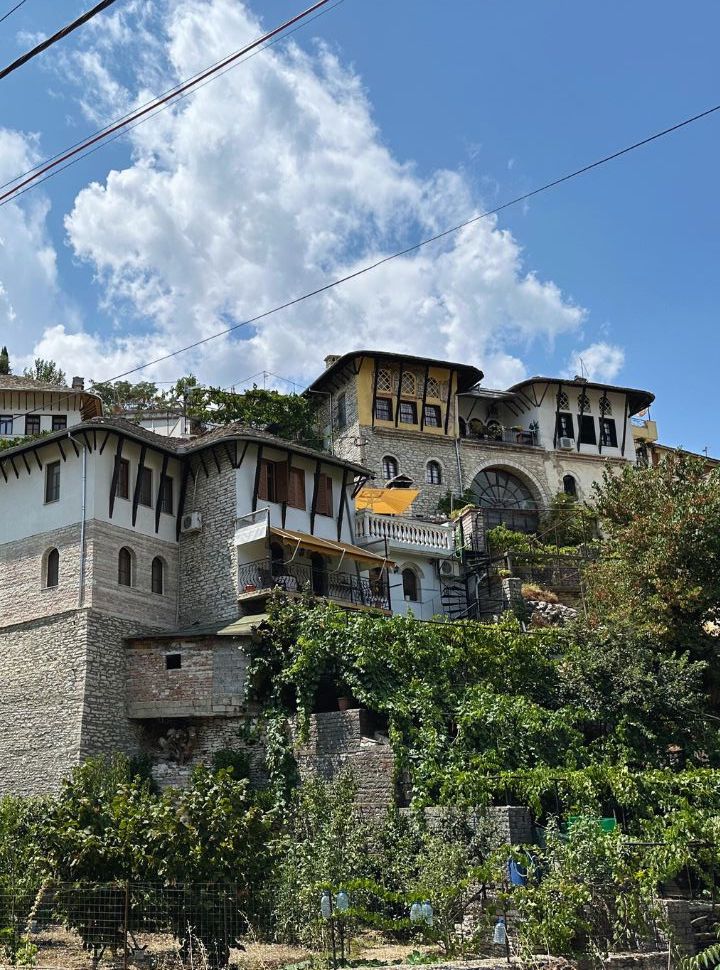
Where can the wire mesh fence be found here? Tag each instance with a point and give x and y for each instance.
(67, 925)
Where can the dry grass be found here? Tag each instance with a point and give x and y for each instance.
(531, 591)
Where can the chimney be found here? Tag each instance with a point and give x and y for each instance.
(331, 359)
(78, 383)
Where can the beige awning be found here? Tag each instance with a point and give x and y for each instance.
(385, 501)
(330, 547)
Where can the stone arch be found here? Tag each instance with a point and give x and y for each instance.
(525, 496)
(538, 491)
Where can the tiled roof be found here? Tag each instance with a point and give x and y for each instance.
(18, 382)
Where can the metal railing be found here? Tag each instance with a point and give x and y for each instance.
(507, 436)
(266, 574)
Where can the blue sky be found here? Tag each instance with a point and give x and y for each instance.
(472, 103)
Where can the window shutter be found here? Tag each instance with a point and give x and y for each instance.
(328, 495)
(296, 488)
(263, 482)
(281, 481)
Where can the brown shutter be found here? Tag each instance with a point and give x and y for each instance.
(296, 488)
(325, 502)
(263, 483)
(281, 481)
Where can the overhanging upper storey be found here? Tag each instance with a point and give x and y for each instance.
(339, 369)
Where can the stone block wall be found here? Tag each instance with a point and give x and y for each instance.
(22, 593)
(208, 559)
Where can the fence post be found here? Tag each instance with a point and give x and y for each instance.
(125, 927)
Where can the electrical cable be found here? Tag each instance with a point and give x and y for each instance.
(60, 35)
(152, 106)
(12, 10)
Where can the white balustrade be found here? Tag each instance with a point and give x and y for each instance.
(404, 532)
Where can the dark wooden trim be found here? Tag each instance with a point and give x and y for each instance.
(313, 505)
(86, 439)
(95, 438)
(27, 467)
(581, 412)
(105, 441)
(374, 393)
(59, 444)
(256, 485)
(2, 469)
(424, 396)
(37, 459)
(359, 483)
(163, 473)
(343, 500)
(187, 468)
(244, 452)
(136, 493)
(228, 452)
(14, 468)
(399, 392)
(213, 452)
(625, 422)
(557, 414)
(74, 444)
(449, 399)
(283, 512)
(204, 466)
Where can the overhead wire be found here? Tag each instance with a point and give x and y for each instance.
(57, 36)
(12, 10)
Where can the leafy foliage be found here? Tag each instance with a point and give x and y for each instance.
(46, 371)
(5, 361)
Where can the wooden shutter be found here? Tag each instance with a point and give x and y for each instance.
(263, 482)
(281, 481)
(296, 488)
(325, 498)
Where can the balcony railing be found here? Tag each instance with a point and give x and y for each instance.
(398, 531)
(505, 436)
(264, 574)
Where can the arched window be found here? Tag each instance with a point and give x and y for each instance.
(433, 473)
(569, 485)
(506, 499)
(125, 567)
(408, 385)
(157, 576)
(389, 467)
(52, 569)
(410, 585)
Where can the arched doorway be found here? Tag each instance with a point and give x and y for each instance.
(507, 500)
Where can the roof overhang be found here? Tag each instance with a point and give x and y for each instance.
(468, 375)
(638, 399)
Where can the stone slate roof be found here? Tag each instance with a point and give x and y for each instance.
(18, 382)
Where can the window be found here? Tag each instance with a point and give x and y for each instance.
(583, 403)
(6, 424)
(408, 412)
(166, 495)
(385, 380)
(145, 485)
(273, 485)
(432, 415)
(52, 569)
(383, 409)
(605, 406)
(59, 422)
(123, 480)
(341, 412)
(408, 385)
(32, 424)
(389, 467)
(433, 387)
(173, 661)
(52, 481)
(565, 427)
(587, 429)
(570, 485)
(410, 585)
(608, 432)
(296, 489)
(562, 401)
(433, 473)
(157, 575)
(324, 501)
(125, 567)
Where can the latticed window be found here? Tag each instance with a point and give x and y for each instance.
(562, 402)
(433, 387)
(408, 412)
(408, 385)
(605, 407)
(583, 403)
(385, 380)
(389, 467)
(383, 409)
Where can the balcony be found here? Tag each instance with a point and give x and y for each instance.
(399, 532)
(261, 577)
(495, 434)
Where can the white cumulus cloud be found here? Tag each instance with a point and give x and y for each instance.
(599, 362)
(267, 183)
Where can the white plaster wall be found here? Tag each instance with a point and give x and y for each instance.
(429, 590)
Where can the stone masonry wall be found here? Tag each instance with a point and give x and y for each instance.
(22, 593)
(208, 559)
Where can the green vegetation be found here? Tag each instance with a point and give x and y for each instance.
(5, 361)
(46, 371)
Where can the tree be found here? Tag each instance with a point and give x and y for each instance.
(660, 568)
(124, 395)
(46, 371)
(290, 416)
(5, 361)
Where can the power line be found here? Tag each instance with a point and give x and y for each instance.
(49, 41)
(425, 242)
(157, 102)
(12, 10)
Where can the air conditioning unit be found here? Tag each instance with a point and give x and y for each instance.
(191, 522)
(567, 443)
(448, 567)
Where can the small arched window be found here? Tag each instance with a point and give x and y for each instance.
(410, 585)
(570, 486)
(157, 579)
(389, 467)
(52, 569)
(433, 473)
(125, 567)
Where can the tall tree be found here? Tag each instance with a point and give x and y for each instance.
(5, 361)
(46, 371)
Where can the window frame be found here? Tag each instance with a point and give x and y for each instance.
(608, 432)
(587, 433)
(145, 487)
(430, 468)
(58, 422)
(52, 557)
(324, 498)
(130, 566)
(35, 419)
(120, 492)
(407, 412)
(52, 495)
(6, 424)
(565, 416)
(167, 497)
(296, 484)
(383, 401)
(158, 561)
(432, 414)
(414, 595)
(385, 467)
(566, 491)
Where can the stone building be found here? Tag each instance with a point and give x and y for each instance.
(125, 556)
(430, 425)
